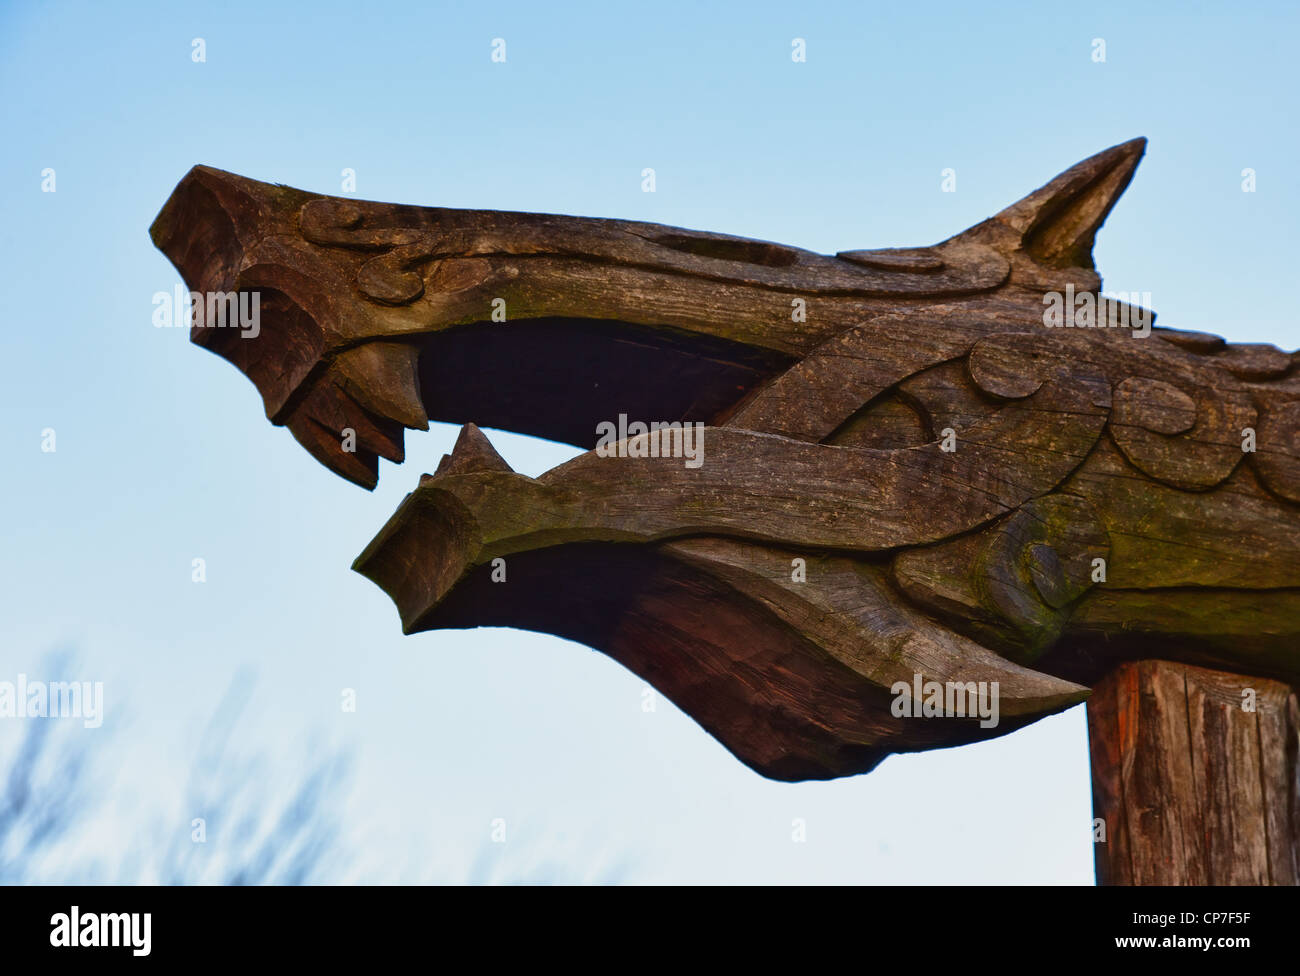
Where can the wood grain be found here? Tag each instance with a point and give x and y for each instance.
(1193, 788)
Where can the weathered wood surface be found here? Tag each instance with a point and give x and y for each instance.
(974, 496)
(1195, 776)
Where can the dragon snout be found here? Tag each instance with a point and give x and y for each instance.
(442, 510)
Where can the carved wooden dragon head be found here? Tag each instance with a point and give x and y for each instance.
(953, 464)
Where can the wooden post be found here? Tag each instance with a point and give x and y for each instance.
(1194, 787)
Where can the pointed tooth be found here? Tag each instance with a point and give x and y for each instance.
(360, 467)
(377, 434)
(473, 452)
(383, 437)
(383, 377)
(334, 410)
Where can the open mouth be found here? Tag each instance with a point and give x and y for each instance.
(746, 577)
(552, 378)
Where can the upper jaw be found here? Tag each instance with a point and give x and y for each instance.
(472, 305)
(376, 317)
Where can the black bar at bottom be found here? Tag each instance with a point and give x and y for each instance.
(332, 925)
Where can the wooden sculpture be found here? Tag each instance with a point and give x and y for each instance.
(817, 489)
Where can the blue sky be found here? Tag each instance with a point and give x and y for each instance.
(164, 455)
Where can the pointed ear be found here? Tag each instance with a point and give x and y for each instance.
(1056, 225)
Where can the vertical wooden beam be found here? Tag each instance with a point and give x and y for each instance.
(1193, 786)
